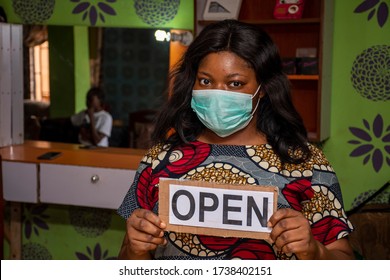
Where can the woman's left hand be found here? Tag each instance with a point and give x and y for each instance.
(291, 233)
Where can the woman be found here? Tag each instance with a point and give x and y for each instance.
(230, 118)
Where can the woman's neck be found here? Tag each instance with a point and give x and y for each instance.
(246, 136)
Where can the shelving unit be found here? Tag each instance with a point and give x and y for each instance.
(310, 93)
(303, 77)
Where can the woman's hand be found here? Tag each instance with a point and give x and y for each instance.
(144, 232)
(291, 233)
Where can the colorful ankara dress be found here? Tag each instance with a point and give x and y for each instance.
(311, 188)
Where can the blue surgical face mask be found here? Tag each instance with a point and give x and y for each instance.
(224, 112)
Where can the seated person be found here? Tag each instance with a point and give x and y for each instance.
(95, 123)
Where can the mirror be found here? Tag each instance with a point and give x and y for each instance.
(129, 64)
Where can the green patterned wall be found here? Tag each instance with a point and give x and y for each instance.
(59, 232)
(109, 13)
(359, 145)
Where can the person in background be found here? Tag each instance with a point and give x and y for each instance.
(95, 124)
(230, 119)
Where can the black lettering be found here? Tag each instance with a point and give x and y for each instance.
(127, 271)
(203, 207)
(227, 208)
(263, 218)
(174, 205)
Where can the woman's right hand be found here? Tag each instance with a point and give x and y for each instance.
(145, 231)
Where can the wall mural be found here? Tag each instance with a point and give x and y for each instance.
(94, 254)
(35, 251)
(34, 219)
(359, 142)
(359, 145)
(89, 222)
(70, 232)
(370, 74)
(373, 143)
(374, 7)
(109, 13)
(382, 198)
(152, 12)
(33, 11)
(92, 11)
(156, 13)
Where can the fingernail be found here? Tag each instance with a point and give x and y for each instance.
(269, 224)
(164, 243)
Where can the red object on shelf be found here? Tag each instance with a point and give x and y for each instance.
(288, 9)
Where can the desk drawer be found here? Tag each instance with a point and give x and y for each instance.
(20, 181)
(84, 186)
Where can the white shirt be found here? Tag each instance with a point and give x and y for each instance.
(103, 124)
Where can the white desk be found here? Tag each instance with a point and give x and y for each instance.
(83, 177)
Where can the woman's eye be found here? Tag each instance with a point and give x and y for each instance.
(236, 84)
(204, 82)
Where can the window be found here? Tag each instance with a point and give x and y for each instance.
(39, 72)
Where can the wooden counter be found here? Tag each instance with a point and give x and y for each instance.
(98, 177)
(72, 154)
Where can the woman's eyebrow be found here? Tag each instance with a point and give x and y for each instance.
(232, 75)
(204, 73)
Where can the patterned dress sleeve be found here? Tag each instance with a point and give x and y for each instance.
(319, 198)
(142, 193)
(325, 211)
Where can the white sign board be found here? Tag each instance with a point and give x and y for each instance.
(217, 209)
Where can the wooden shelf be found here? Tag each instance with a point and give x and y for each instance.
(303, 77)
(313, 137)
(271, 21)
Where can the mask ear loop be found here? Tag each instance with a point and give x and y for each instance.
(258, 100)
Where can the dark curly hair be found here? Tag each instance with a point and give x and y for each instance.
(277, 118)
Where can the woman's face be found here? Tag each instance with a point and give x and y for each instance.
(226, 71)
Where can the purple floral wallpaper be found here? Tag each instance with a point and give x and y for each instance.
(70, 232)
(372, 143)
(175, 14)
(34, 11)
(370, 74)
(374, 8)
(158, 12)
(93, 11)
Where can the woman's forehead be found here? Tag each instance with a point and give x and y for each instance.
(224, 61)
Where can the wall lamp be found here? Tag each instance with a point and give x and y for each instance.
(184, 38)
